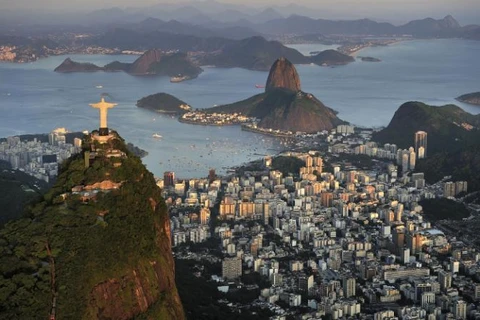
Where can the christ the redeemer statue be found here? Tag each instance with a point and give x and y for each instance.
(103, 107)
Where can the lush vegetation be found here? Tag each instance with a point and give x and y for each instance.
(201, 298)
(287, 165)
(443, 125)
(162, 102)
(17, 189)
(68, 248)
(174, 65)
(254, 53)
(462, 165)
(439, 209)
(331, 57)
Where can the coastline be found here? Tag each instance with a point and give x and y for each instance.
(353, 52)
(180, 119)
(266, 132)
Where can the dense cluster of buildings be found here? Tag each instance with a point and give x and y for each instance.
(344, 141)
(345, 244)
(215, 119)
(37, 158)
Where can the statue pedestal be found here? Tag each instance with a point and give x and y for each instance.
(102, 138)
(103, 131)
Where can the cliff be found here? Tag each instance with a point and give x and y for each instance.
(331, 58)
(283, 106)
(92, 254)
(163, 102)
(448, 127)
(68, 65)
(470, 98)
(143, 64)
(283, 75)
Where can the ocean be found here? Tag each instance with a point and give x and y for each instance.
(34, 99)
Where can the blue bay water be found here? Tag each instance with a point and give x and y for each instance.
(34, 99)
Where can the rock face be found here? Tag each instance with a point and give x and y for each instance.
(283, 75)
(101, 254)
(294, 112)
(143, 64)
(68, 65)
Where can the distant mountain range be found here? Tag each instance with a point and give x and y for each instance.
(270, 22)
(254, 53)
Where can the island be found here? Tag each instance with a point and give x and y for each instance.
(68, 65)
(331, 58)
(164, 103)
(369, 59)
(178, 66)
(470, 98)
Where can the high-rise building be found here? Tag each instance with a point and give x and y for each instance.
(349, 287)
(405, 255)
(449, 189)
(305, 283)
(169, 178)
(421, 141)
(326, 199)
(445, 279)
(405, 161)
(460, 310)
(231, 268)
(204, 215)
(412, 160)
(398, 237)
(211, 175)
(461, 186)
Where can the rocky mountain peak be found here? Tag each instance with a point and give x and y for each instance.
(283, 75)
(142, 65)
(450, 22)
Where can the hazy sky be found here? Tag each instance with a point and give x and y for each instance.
(387, 9)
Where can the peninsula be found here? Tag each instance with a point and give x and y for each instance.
(282, 109)
(369, 59)
(153, 62)
(470, 98)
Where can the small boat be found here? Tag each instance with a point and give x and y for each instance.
(99, 87)
(156, 136)
(259, 86)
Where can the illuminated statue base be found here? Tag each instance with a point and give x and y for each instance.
(103, 131)
(102, 137)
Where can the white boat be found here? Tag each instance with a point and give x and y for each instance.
(156, 136)
(99, 87)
